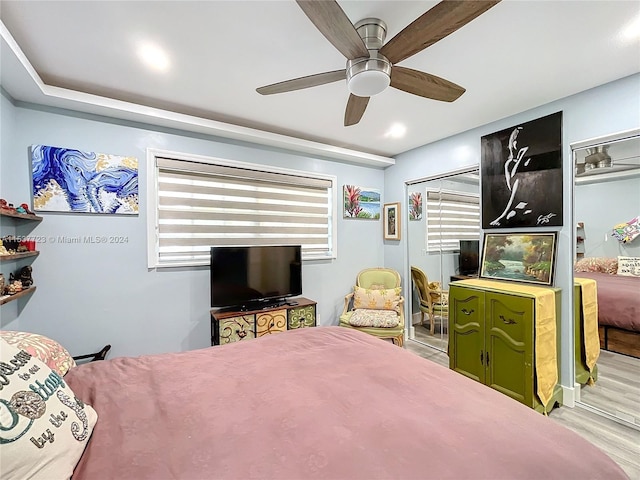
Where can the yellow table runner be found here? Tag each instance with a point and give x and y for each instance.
(589, 307)
(546, 355)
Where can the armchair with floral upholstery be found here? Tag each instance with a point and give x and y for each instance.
(376, 305)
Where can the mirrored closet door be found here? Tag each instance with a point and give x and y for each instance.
(443, 245)
(606, 200)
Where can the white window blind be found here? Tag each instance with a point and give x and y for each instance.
(451, 216)
(202, 204)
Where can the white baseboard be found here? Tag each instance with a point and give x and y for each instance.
(569, 396)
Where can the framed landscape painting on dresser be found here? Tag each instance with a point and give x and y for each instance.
(519, 257)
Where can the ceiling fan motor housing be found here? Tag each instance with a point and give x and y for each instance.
(368, 76)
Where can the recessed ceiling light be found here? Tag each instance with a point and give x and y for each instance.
(154, 57)
(631, 31)
(397, 130)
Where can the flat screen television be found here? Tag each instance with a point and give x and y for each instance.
(250, 277)
(469, 259)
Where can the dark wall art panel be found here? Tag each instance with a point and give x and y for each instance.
(521, 170)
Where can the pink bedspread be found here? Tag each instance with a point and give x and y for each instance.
(618, 299)
(325, 402)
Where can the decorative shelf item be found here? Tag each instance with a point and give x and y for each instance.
(10, 298)
(580, 236)
(18, 256)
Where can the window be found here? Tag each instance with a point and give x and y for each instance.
(196, 202)
(451, 216)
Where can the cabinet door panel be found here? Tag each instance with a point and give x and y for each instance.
(509, 340)
(466, 332)
(271, 322)
(236, 329)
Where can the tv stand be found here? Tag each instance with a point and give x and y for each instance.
(234, 324)
(462, 277)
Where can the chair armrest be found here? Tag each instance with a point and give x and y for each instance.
(347, 301)
(101, 355)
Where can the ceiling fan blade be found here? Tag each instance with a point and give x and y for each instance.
(424, 84)
(334, 24)
(438, 22)
(355, 109)
(303, 82)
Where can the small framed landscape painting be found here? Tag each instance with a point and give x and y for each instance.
(392, 221)
(519, 257)
(361, 202)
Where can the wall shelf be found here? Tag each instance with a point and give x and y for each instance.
(15, 221)
(10, 298)
(18, 256)
(25, 216)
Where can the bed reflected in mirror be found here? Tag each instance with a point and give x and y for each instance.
(444, 217)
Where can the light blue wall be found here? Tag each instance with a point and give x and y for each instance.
(601, 206)
(600, 111)
(89, 295)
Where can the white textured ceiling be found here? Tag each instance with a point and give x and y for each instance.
(518, 55)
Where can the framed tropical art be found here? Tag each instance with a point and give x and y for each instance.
(415, 206)
(521, 172)
(519, 257)
(392, 221)
(361, 202)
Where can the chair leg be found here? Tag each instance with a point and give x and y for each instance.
(432, 327)
(399, 340)
(421, 318)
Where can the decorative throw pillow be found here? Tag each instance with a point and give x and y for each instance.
(374, 318)
(379, 299)
(44, 348)
(45, 428)
(627, 232)
(597, 264)
(629, 266)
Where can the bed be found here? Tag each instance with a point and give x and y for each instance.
(325, 403)
(618, 311)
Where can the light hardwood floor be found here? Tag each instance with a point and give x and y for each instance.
(620, 442)
(618, 387)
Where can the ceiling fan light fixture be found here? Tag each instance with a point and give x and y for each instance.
(367, 77)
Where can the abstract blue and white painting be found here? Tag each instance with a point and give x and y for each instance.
(68, 180)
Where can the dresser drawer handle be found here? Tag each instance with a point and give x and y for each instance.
(507, 321)
(467, 312)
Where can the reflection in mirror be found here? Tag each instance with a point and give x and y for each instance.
(607, 194)
(450, 215)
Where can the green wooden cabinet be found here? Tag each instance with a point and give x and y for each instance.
(233, 326)
(492, 339)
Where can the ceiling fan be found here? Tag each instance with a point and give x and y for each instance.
(371, 64)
